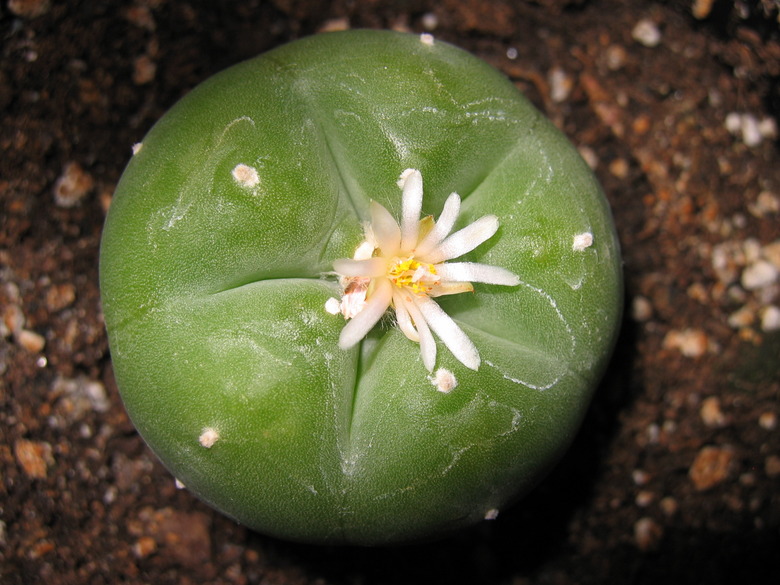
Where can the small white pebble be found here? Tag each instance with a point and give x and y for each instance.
(73, 185)
(179, 484)
(766, 203)
(560, 85)
(767, 127)
(137, 147)
(690, 342)
(109, 496)
(770, 318)
(647, 534)
(444, 380)
(615, 57)
(771, 252)
(491, 514)
(511, 53)
(333, 306)
(582, 242)
(430, 21)
(13, 319)
(95, 392)
(727, 259)
(698, 292)
(144, 70)
(743, 317)
(646, 32)
(751, 248)
(711, 414)
(640, 477)
(31, 341)
(701, 8)
(733, 122)
(750, 129)
(758, 275)
(739, 221)
(644, 498)
(426, 39)
(589, 156)
(208, 437)
(653, 432)
(768, 421)
(246, 176)
(641, 309)
(767, 295)
(619, 168)
(751, 133)
(334, 25)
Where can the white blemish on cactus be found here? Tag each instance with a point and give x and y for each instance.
(582, 241)
(246, 176)
(444, 380)
(208, 437)
(491, 514)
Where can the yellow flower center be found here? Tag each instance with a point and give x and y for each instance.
(418, 276)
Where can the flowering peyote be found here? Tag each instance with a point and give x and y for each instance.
(324, 357)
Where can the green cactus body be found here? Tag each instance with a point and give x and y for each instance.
(216, 270)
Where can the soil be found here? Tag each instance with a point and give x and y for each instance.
(675, 477)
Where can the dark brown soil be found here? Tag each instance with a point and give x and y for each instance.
(675, 477)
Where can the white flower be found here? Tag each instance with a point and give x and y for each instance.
(405, 266)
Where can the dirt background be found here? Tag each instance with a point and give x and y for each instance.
(675, 476)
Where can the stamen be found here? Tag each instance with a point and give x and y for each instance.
(419, 276)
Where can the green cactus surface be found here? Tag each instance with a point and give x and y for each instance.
(217, 264)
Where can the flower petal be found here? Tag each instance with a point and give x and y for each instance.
(442, 227)
(371, 267)
(386, 231)
(402, 315)
(475, 272)
(357, 328)
(411, 206)
(448, 331)
(464, 240)
(451, 288)
(366, 249)
(427, 342)
(426, 225)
